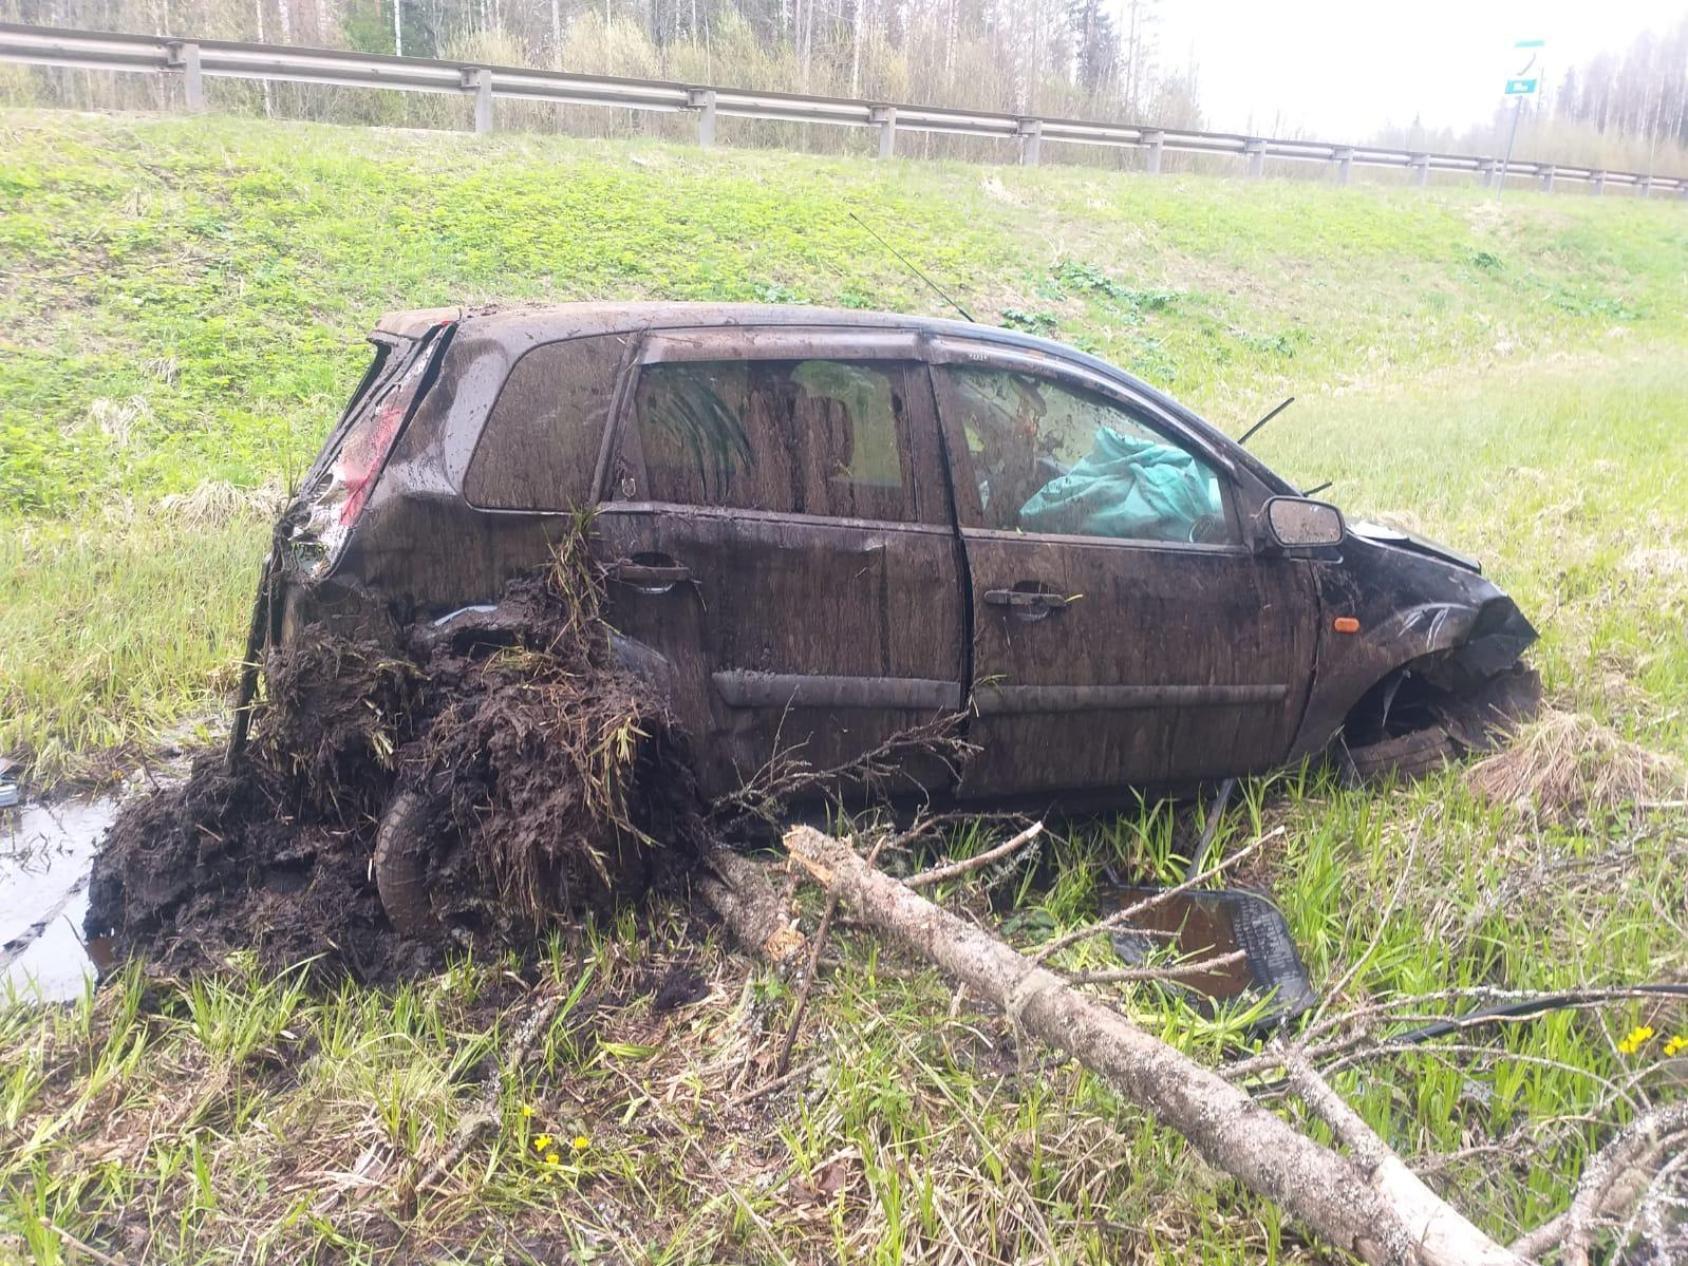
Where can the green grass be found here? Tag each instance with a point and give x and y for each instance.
(183, 302)
(248, 1118)
(180, 303)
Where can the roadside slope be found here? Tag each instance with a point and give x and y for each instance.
(182, 303)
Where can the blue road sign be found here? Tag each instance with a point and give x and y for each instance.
(1524, 79)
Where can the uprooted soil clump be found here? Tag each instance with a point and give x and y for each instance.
(519, 773)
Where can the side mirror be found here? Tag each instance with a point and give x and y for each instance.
(1301, 523)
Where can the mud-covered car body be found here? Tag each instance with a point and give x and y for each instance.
(821, 528)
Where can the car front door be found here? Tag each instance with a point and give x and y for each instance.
(781, 534)
(1124, 632)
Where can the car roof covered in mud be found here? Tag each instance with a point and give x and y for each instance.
(520, 326)
(520, 323)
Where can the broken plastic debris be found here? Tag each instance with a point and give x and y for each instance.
(1213, 923)
(481, 608)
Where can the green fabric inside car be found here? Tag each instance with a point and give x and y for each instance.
(1128, 488)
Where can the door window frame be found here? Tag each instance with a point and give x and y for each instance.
(967, 354)
(919, 441)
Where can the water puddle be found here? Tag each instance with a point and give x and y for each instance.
(45, 853)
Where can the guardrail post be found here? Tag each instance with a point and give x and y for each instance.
(1030, 132)
(1598, 183)
(1486, 170)
(1420, 164)
(886, 118)
(1156, 142)
(478, 80)
(1547, 178)
(703, 101)
(183, 55)
(1343, 157)
(1647, 186)
(1256, 151)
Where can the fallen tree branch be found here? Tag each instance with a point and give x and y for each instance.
(954, 870)
(1499, 1007)
(737, 889)
(801, 1006)
(786, 777)
(768, 1087)
(1331, 1193)
(1613, 1181)
(1439, 1231)
(105, 1259)
(482, 1118)
(1171, 971)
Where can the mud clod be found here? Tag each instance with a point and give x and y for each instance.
(535, 780)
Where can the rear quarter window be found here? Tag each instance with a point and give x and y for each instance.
(540, 444)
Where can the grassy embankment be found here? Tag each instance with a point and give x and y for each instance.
(180, 304)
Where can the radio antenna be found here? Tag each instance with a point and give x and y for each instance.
(1249, 434)
(905, 263)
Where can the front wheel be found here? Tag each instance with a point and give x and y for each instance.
(401, 866)
(1405, 758)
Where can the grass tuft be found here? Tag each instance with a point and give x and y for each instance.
(1564, 765)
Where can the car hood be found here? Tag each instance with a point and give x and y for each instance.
(1399, 538)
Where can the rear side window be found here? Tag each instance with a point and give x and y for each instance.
(540, 444)
(819, 437)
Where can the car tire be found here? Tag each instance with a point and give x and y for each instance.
(1404, 759)
(1479, 719)
(401, 867)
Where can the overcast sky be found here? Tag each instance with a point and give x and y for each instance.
(1343, 68)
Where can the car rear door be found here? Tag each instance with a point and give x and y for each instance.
(780, 532)
(1124, 633)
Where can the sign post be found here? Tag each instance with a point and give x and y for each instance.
(1525, 81)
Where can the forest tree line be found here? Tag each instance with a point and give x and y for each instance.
(1056, 58)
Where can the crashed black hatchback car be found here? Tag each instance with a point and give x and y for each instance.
(821, 528)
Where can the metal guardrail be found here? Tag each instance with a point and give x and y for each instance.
(195, 60)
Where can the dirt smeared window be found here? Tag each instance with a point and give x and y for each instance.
(540, 444)
(806, 437)
(1050, 459)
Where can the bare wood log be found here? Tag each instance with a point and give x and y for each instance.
(1440, 1232)
(1324, 1189)
(738, 890)
(802, 1004)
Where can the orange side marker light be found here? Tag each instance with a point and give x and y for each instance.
(1345, 624)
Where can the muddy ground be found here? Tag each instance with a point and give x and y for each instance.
(538, 781)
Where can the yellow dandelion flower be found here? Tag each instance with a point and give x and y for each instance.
(581, 1143)
(552, 1159)
(542, 1142)
(1636, 1038)
(1676, 1045)
(527, 1110)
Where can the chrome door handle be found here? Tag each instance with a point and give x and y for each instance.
(1026, 600)
(650, 573)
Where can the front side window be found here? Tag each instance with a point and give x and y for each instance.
(797, 436)
(1049, 458)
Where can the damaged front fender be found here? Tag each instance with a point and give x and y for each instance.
(1430, 633)
(1456, 645)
